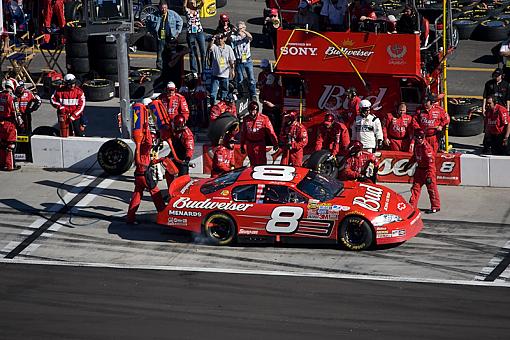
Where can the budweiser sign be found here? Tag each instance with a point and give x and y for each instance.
(357, 53)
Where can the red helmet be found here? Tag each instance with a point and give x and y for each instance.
(291, 116)
(355, 146)
(224, 17)
(179, 122)
(329, 119)
(253, 106)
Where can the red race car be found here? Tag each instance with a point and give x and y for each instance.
(276, 203)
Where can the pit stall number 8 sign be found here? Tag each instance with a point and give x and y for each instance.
(284, 220)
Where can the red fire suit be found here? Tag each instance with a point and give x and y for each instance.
(223, 160)
(294, 139)
(26, 103)
(51, 7)
(349, 115)
(184, 146)
(335, 139)
(142, 161)
(221, 107)
(356, 166)
(429, 121)
(399, 131)
(175, 104)
(496, 124)
(253, 138)
(425, 173)
(8, 133)
(70, 103)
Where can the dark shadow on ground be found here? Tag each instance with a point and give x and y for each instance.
(487, 59)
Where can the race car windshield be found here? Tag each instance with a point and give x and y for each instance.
(221, 182)
(320, 187)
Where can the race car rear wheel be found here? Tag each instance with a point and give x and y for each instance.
(320, 161)
(219, 229)
(356, 233)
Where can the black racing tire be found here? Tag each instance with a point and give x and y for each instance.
(221, 3)
(219, 127)
(219, 229)
(77, 65)
(77, 50)
(140, 87)
(152, 73)
(105, 66)
(76, 33)
(465, 28)
(98, 90)
(106, 51)
(355, 233)
(491, 30)
(318, 161)
(46, 131)
(146, 11)
(115, 157)
(466, 5)
(466, 126)
(461, 106)
(73, 10)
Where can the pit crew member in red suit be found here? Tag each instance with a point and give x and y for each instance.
(143, 148)
(226, 105)
(432, 119)
(174, 102)
(349, 115)
(358, 165)
(223, 159)
(51, 7)
(425, 173)
(332, 136)
(69, 101)
(293, 139)
(26, 102)
(9, 119)
(497, 128)
(398, 130)
(254, 130)
(184, 146)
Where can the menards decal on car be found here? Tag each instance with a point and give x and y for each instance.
(372, 198)
(187, 203)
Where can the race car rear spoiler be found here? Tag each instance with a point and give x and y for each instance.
(177, 184)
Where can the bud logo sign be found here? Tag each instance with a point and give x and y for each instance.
(333, 98)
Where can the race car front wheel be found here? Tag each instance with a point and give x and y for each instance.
(219, 229)
(355, 233)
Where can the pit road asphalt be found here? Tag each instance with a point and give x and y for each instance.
(451, 281)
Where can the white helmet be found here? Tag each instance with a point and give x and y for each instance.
(69, 78)
(365, 104)
(8, 83)
(146, 101)
(170, 85)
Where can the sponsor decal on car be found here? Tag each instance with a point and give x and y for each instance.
(401, 206)
(372, 198)
(338, 207)
(398, 233)
(387, 202)
(187, 186)
(224, 193)
(188, 203)
(248, 232)
(177, 221)
(184, 213)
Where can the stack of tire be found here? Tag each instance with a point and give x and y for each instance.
(485, 22)
(465, 117)
(103, 56)
(77, 54)
(98, 90)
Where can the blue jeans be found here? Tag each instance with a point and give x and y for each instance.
(248, 67)
(194, 39)
(159, 56)
(218, 84)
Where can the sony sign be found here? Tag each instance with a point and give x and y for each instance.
(294, 50)
(333, 98)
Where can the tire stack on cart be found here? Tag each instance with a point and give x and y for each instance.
(465, 117)
(77, 54)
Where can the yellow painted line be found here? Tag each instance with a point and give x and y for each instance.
(464, 96)
(472, 69)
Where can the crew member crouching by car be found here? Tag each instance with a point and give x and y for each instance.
(358, 165)
(332, 136)
(293, 139)
(184, 145)
(223, 159)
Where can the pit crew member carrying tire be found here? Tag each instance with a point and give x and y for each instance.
(398, 130)
(9, 120)
(70, 103)
(254, 130)
(223, 159)
(143, 147)
(425, 173)
(367, 128)
(293, 139)
(432, 119)
(332, 136)
(358, 165)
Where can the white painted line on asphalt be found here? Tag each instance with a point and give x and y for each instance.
(493, 263)
(12, 245)
(92, 195)
(259, 272)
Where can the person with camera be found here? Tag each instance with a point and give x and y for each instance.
(240, 40)
(223, 66)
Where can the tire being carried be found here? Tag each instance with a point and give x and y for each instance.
(466, 125)
(355, 233)
(115, 157)
(219, 229)
(320, 162)
(98, 90)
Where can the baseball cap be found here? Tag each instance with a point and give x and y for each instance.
(274, 11)
(497, 72)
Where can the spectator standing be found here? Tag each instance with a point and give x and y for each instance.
(293, 139)
(332, 136)
(408, 22)
(240, 41)
(223, 63)
(333, 14)
(504, 52)
(425, 173)
(271, 25)
(174, 103)
(50, 8)
(306, 16)
(398, 130)
(9, 119)
(166, 25)
(432, 119)
(255, 129)
(196, 37)
(358, 165)
(224, 27)
(265, 71)
(26, 102)
(69, 101)
(360, 11)
(498, 88)
(223, 159)
(497, 128)
(367, 128)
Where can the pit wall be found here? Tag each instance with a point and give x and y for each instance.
(81, 153)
